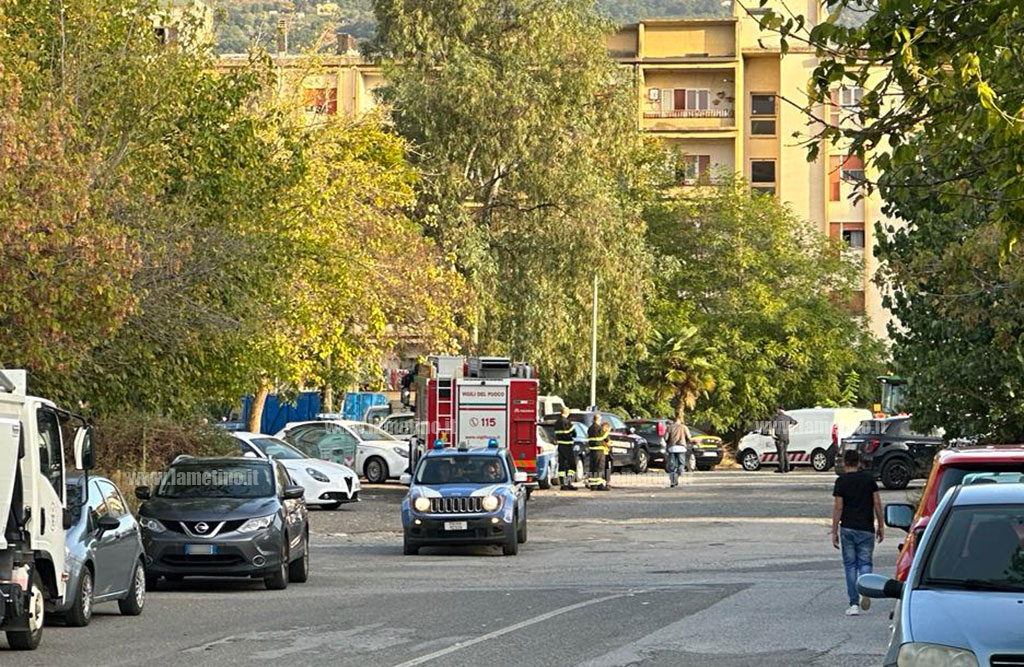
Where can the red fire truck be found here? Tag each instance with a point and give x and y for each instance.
(468, 404)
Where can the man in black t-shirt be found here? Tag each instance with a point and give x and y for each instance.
(856, 525)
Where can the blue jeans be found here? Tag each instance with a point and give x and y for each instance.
(675, 463)
(858, 549)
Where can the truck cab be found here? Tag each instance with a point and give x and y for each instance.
(33, 507)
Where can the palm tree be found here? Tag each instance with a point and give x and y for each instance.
(679, 369)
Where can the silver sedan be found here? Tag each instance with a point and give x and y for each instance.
(105, 556)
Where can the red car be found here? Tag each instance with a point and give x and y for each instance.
(949, 469)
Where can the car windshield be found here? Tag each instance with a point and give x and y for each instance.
(277, 449)
(217, 480)
(955, 475)
(368, 432)
(461, 470)
(979, 547)
(645, 428)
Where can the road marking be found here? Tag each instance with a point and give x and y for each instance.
(506, 630)
(789, 520)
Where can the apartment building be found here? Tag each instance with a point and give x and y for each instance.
(723, 92)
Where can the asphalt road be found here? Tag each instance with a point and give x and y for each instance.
(731, 569)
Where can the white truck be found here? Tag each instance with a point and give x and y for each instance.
(33, 506)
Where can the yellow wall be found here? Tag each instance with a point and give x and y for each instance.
(622, 44)
(670, 40)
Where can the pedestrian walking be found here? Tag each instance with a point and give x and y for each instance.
(598, 451)
(566, 456)
(781, 424)
(677, 450)
(856, 525)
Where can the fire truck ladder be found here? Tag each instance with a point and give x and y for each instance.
(445, 408)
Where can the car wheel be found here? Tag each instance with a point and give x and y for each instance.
(408, 548)
(80, 613)
(705, 468)
(820, 461)
(278, 581)
(298, 570)
(376, 470)
(511, 545)
(642, 461)
(132, 604)
(896, 474)
(521, 534)
(750, 461)
(28, 640)
(581, 469)
(545, 481)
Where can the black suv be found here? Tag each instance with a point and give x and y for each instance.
(892, 451)
(629, 450)
(233, 517)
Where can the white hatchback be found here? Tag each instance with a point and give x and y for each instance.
(379, 455)
(327, 484)
(813, 441)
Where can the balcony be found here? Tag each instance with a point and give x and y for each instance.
(678, 120)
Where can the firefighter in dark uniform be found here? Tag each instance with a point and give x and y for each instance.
(597, 442)
(566, 456)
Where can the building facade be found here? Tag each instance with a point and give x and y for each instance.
(723, 91)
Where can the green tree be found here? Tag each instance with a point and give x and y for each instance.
(680, 369)
(941, 115)
(766, 295)
(526, 135)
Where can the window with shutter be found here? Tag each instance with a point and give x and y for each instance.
(667, 99)
(833, 178)
(679, 99)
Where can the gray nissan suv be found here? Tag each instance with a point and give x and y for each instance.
(225, 517)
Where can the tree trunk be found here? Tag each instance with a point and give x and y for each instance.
(256, 410)
(680, 407)
(328, 398)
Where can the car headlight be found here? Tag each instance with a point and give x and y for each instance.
(152, 525)
(259, 523)
(317, 475)
(491, 503)
(422, 504)
(916, 654)
(401, 451)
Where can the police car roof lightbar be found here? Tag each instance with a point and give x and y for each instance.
(492, 443)
(439, 444)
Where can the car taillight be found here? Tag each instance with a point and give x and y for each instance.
(872, 446)
(661, 429)
(835, 435)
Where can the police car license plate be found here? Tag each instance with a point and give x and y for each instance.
(200, 549)
(456, 525)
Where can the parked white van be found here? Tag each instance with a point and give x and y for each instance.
(813, 441)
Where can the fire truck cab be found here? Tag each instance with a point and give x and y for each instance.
(466, 405)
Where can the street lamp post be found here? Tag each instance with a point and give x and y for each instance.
(593, 353)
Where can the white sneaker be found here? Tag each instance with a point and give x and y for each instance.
(854, 610)
(865, 603)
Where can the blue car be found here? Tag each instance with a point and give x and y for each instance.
(962, 602)
(462, 497)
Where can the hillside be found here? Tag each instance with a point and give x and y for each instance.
(240, 22)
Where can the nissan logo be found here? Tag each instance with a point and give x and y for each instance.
(202, 527)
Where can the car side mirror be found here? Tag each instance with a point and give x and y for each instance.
(106, 523)
(293, 492)
(520, 478)
(899, 515)
(142, 492)
(405, 479)
(879, 587)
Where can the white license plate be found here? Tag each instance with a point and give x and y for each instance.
(709, 453)
(200, 549)
(850, 446)
(456, 525)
